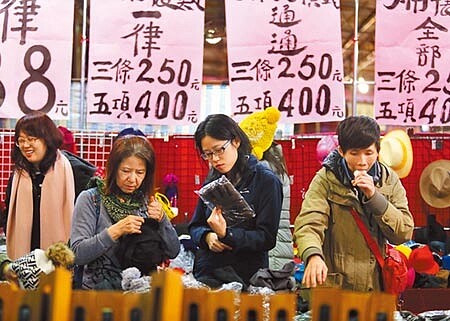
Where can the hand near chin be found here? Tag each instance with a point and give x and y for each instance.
(365, 182)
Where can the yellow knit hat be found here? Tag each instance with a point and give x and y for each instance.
(260, 128)
(406, 250)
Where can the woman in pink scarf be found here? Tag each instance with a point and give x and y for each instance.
(41, 190)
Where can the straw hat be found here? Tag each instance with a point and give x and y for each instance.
(260, 128)
(434, 184)
(396, 152)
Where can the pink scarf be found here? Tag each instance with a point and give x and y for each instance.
(57, 202)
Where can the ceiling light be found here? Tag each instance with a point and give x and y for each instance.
(363, 86)
(212, 37)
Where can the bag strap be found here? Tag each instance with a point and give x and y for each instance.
(79, 269)
(97, 201)
(369, 240)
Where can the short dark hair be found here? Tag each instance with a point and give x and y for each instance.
(37, 124)
(124, 147)
(358, 132)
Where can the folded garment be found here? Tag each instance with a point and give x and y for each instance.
(275, 279)
(220, 276)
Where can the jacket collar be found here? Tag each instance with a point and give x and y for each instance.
(338, 165)
(252, 163)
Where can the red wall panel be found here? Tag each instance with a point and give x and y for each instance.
(177, 155)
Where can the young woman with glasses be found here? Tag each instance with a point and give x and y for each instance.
(42, 188)
(234, 253)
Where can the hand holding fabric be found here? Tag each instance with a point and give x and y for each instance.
(217, 222)
(214, 244)
(155, 210)
(128, 225)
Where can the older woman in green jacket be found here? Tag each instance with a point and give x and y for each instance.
(326, 234)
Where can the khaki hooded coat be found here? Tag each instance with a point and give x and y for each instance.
(326, 227)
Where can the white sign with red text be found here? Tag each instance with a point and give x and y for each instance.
(412, 72)
(287, 54)
(35, 57)
(145, 62)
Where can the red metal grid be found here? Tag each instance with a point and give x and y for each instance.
(177, 155)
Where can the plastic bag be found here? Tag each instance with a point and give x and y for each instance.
(221, 193)
(184, 261)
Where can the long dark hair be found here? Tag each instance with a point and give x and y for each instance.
(37, 124)
(222, 127)
(274, 156)
(124, 147)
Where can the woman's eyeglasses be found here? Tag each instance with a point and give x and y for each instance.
(216, 152)
(29, 140)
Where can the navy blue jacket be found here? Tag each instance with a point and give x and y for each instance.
(264, 193)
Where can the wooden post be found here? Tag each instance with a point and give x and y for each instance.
(325, 304)
(56, 287)
(166, 296)
(109, 305)
(194, 305)
(135, 306)
(282, 306)
(353, 305)
(381, 306)
(11, 297)
(251, 308)
(30, 307)
(83, 306)
(220, 306)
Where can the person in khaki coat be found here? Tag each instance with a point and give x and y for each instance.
(326, 234)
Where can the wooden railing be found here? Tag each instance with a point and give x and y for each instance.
(170, 301)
